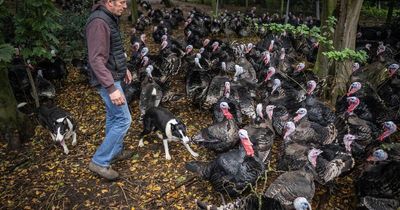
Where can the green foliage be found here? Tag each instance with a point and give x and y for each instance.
(374, 12)
(347, 54)
(35, 26)
(323, 38)
(71, 36)
(6, 52)
(6, 23)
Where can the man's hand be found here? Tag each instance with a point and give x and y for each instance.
(128, 77)
(117, 97)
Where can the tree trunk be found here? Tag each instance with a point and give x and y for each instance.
(134, 11)
(15, 127)
(321, 65)
(390, 12)
(344, 37)
(287, 11)
(317, 10)
(282, 7)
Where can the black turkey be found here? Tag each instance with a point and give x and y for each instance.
(308, 131)
(250, 202)
(197, 82)
(329, 162)
(291, 185)
(221, 136)
(317, 111)
(151, 93)
(389, 91)
(378, 187)
(232, 172)
(54, 68)
(219, 87)
(234, 108)
(45, 88)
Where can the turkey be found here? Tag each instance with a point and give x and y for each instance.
(234, 108)
(217, 89)
(232, 172)
(54, 69)
(368, 99)
(44, 87)
(197, 82)
(309, 132)
(151, 93)
(318, 112)
(378, 187)
(221, 136)
(250, 202)
(262, 134)
(329, 162)
(291, 185)
(389, 91)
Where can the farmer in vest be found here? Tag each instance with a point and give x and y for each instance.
(107, 69)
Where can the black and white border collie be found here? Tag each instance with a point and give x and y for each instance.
(59, 123)
(158, 118)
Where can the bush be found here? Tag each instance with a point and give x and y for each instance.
(72, 35)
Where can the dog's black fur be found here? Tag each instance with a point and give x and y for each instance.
(158, 118)
(56, 120)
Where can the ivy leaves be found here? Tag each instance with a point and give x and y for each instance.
(347, 54)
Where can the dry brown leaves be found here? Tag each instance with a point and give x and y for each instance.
(41, 176)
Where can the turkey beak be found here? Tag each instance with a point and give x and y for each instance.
(371, 158)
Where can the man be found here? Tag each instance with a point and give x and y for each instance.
(107, 68)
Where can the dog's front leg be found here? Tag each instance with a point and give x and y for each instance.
(53, 137)
(167, 155)
(66, 151)
(194, 154)
(141, 144)
(73, 138)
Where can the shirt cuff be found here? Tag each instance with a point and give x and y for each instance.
(111, 89)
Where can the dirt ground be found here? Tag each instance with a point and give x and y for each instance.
(40, 176)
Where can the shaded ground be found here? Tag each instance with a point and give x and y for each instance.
(40, 176)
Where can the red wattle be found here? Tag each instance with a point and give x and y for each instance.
(247, 145)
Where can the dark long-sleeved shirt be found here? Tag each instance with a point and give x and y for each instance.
(98, 43)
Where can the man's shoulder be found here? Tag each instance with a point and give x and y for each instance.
(97, 23)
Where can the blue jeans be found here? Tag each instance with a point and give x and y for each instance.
(118, 121)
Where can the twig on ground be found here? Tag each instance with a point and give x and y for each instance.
(123, 192)
(186, 183)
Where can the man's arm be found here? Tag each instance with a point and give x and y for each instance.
(98, 41)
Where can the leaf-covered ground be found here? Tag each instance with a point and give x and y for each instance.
(40, 176)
